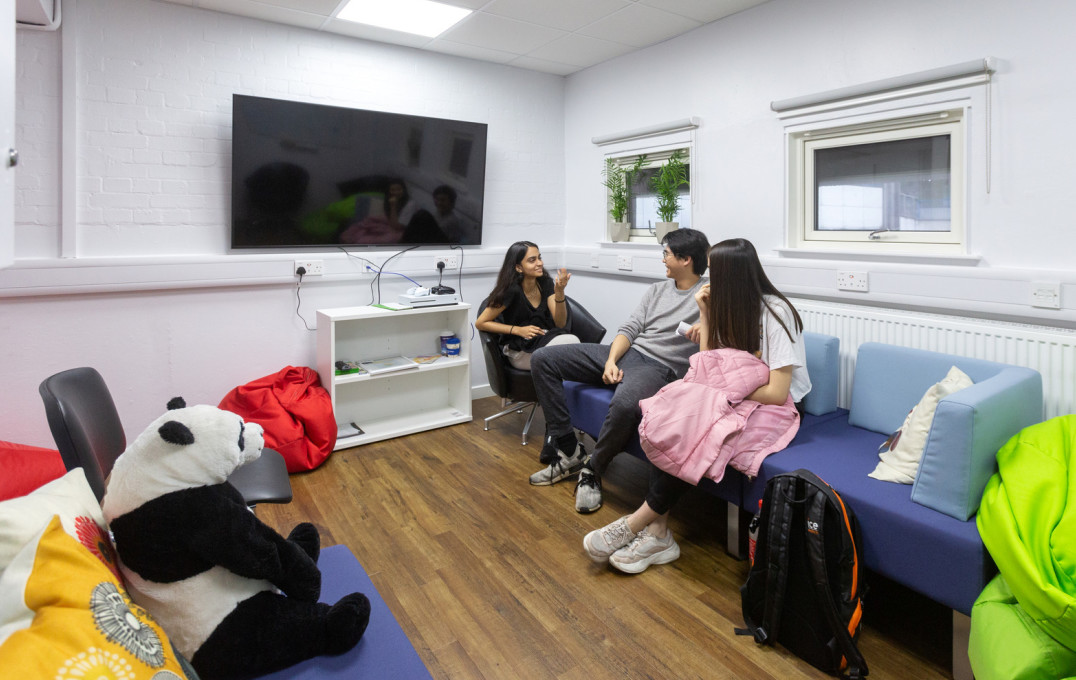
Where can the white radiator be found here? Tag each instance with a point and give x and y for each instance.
(1050, 351)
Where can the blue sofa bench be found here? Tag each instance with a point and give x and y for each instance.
(922, 535)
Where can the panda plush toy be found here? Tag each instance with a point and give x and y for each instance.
(236, 598)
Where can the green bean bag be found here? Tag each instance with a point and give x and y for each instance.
(1024, 623)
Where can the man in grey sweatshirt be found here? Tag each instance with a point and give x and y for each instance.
(646, 354)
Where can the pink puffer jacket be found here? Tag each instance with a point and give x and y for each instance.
(700, 424)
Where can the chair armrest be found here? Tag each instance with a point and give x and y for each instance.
(968, 429)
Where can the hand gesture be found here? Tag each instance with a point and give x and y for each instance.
(528, 332)
(561, 282)
(694, 333)
(702, 297)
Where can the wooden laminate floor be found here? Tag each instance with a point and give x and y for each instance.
(487, 575)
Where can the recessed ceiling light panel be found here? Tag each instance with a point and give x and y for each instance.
(421, 17)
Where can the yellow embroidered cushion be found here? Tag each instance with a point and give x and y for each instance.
(64, 614)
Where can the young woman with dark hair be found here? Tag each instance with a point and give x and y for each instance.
(527, 306)
(740, 310)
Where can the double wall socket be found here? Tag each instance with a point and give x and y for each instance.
(623, 262)
(451, 262)
(312, 267)
(1046, 294)
(856, 281)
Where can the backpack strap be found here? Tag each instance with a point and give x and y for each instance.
(854, 665)
(778, 530)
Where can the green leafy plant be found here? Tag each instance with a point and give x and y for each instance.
(666, 184)
(618, 181)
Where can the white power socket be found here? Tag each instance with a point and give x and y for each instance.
(1046, 294)
(623, 262)
(312, 267)
(857, 281)
(595, 260)
(451, 262)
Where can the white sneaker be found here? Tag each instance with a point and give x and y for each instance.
(644, 550)
(562, 467)
(601, 543)
(588, 492)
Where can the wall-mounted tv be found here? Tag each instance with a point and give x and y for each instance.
(309, 175)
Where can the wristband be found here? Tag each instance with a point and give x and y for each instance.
(558, 301)
(510, 330)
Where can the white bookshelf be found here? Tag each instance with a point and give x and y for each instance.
(394, 404)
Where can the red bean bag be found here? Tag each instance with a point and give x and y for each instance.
(24, 468)
(295, 411)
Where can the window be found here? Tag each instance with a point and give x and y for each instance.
(887, 183)
(642, 215)
(640, 154)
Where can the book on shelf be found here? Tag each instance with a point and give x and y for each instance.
(391, 306)
(348, 430)
(425, 358)
(388, 364)
(348, 367)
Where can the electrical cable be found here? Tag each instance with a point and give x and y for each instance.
(382, 267)
(368, 263)
(399, 274)
(301, 271)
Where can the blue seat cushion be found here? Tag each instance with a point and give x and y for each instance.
(934, 554)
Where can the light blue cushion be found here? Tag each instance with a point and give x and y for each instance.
(968, 428)
(823, 366)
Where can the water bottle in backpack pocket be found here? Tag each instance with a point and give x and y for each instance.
(804, 588)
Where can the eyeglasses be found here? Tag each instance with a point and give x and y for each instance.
(666, 254)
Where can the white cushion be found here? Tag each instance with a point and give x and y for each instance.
(902, 452)
(70, 497)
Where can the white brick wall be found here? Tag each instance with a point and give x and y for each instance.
(155, 82)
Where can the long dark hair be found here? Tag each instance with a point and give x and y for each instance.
(737, 286)
(508, 274)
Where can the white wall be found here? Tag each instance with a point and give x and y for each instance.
(152, 299)
(728, 72)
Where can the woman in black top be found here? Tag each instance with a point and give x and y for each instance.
(527, 306)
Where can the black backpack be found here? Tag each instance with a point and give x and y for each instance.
(805, 585)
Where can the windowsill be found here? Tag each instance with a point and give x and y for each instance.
(629, 244)
(862, 256)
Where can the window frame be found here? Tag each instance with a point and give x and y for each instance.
(921, 111)
(656, 146)
(949, 123)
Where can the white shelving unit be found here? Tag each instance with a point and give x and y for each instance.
(394, 404)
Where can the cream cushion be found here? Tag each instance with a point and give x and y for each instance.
(900, 458)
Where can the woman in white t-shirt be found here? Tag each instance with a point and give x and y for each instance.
(739, 309)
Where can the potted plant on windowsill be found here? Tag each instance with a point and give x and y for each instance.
(618, 181)
(666, 184)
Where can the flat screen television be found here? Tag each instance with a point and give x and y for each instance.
(309, 175)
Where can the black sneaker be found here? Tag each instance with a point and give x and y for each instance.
(562, 467)
(588, 492)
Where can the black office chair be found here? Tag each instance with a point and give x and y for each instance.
(515, 387)
(88, 433)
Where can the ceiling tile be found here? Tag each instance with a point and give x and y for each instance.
(702, 10)
(568, 15)
(498, 33)
(532, 64)
(322, 7)
(639, 26)
(471, 51)
(580, 50)
(258, 10)
(469, 4)
(376, 33)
